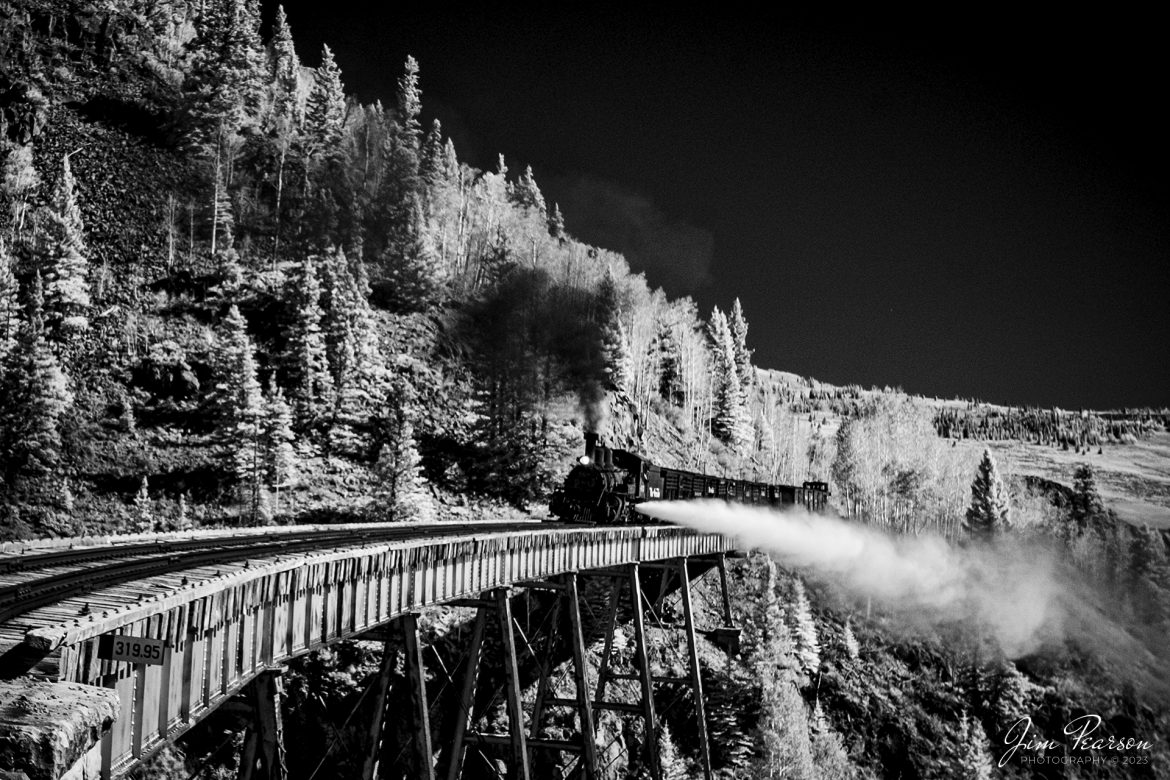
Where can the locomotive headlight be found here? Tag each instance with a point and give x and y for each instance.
(584, 460)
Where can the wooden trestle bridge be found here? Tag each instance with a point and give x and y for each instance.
(148, 635)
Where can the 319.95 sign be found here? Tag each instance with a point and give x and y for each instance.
(135, 649)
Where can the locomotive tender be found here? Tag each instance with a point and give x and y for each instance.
(607, 482)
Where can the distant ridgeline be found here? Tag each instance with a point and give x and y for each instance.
(1056, 427)
(980, 421)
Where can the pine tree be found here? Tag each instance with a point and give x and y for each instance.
(615, 345)
(743, 356)
(286, 68)
(783, 739)
(808, 646)
(287, 116)
(338, 300)
(248, 441)
(225, 80)
(400, 230)
(776, 639)
(143, 508)
(311, 387)
(355, 360)
(182, 520)
(409, 106)
(415, 267)
(619, 360)
(359, 370)
(400, 186)
(325, 109)
(673, 766)
(402, 493)
(35, 396)
(65, 497)
(556, 223)
(974, 759)
(280, 459)
(1087, 507)
(66, 287)
(450, 163)
(670, 371)
(989, 513)
(731, 423)
(817, 722)
(241, 404)
(830, 759)
(9, 304)
(431, 165)
(852, 648)
(223, 250)
(1011, 694)
(728, 721)
(525, 194)
(1148, 578)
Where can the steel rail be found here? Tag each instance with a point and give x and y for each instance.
(20, 598)
(29, 561)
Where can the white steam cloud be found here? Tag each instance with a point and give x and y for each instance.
(1020, 594)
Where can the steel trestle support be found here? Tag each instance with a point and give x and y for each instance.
(263, 754)
(670, 573)
(423, 754)
(517, 748)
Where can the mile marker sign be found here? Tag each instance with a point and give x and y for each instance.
(135, 649)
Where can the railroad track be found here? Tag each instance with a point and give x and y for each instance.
(91, 568)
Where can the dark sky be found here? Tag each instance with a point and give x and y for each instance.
(972, 206)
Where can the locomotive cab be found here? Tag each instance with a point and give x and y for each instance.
(602, 485)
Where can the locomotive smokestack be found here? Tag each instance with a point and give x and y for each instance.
(590, 444)
(608, 458)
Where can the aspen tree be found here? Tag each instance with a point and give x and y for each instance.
(9, 304)
(21, 181)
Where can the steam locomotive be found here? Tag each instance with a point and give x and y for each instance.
(606, 483)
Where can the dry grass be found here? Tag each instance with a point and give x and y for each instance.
(1134, 479)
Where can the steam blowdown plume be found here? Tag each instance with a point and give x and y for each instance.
(1020, 593)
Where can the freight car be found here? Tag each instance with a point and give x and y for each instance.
(607, 482)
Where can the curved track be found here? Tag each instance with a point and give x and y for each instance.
(61, 574)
